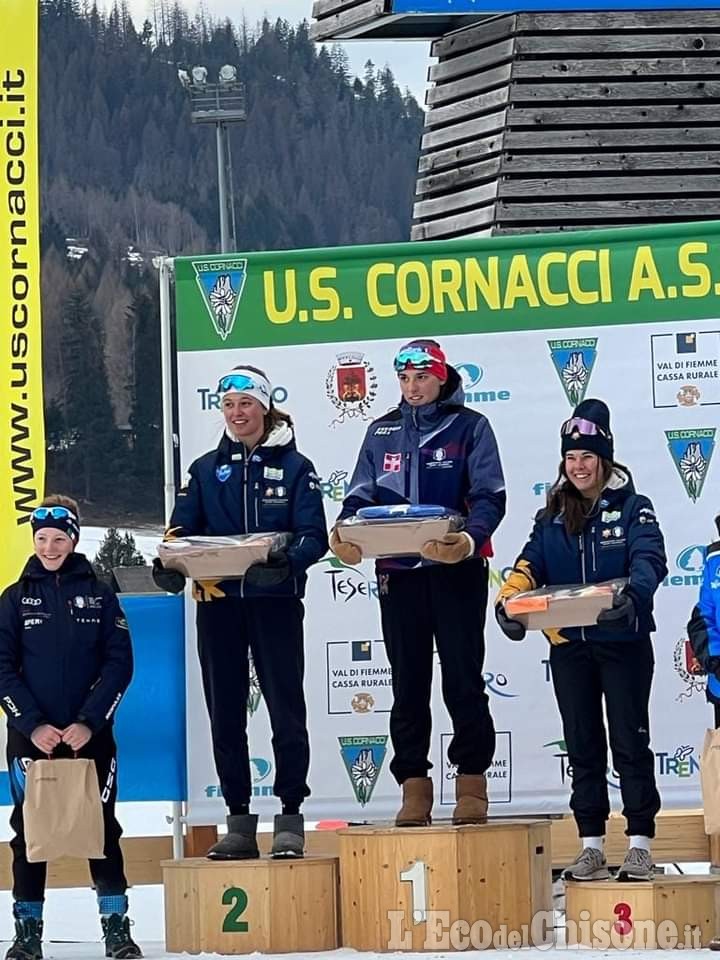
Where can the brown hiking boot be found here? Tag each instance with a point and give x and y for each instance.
(417, 803)
(471, 796)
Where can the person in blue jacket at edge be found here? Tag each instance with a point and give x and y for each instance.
(255, 481)
(704, 636)
(65, 663)
(431, 449)
(594, 528)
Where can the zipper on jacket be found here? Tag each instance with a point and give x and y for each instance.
(257, 516)
(592, 548)
(581, 540)
(408, 467)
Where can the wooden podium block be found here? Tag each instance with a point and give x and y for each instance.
(444, 887)
(662, 914)
(242, 906)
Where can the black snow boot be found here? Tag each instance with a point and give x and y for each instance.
(118, 942)
(240, 842)
(27, 944)
(289, 835)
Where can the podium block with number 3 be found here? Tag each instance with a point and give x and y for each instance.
(423, 888)
(243, 906)
(670, 912)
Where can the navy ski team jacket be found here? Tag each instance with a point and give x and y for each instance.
(65, 652)
(273, 489)
(441, 453)
(621, 539)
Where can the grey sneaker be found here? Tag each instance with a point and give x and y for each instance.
(638, 865)
(590, 864)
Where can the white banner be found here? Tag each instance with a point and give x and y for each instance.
(661, 383)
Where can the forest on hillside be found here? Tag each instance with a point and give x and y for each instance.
(323, 159)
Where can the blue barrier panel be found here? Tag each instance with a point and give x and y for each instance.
(150, 721)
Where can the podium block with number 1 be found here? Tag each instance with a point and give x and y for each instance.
(445, 887)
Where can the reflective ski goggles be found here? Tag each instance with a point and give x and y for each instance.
(239, 382)
(586, 428)
(414, 357)
(52, 513)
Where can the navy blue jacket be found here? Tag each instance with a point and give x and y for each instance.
(271, 489)
(441, 453)
(621, 539)
(65, 652)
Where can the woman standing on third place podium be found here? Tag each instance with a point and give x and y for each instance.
(254, 482)
(595, 527)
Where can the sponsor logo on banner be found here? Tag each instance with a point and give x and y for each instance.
(260, 770)
(210, 399)
(336, 486)
(254, 695)
(686, 368)
(691, 451)
(691, 563)
(688, 669)
(499, 684)
(499, 776)
(221, 284)
(347, 583)
(351, 386)
(363, 758)
(471, 375)
(679, 762)
(540, 489)
(359, 677)
(574, 361)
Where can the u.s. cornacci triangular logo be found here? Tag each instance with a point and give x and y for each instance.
(221, 284)
(692, 452)
(574, 361)
(363, 758)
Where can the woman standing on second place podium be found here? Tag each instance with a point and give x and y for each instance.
(595, 527)
(254, 482)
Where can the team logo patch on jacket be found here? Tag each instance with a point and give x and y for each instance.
(392, 463)
(351, 386)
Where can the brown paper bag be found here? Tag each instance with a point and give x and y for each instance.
(710, 780)
(63, 811)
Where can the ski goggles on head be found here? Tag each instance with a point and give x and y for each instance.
(54, 513)
(238, 382)
(57, 517)
(430, 359)
(586, 428)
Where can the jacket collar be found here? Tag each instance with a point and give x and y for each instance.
(76, 565)
(452, 396)
(280, 438)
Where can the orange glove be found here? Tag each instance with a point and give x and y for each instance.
(346, 552)
(453, 548)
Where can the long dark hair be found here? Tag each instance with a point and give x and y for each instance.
(565, 500)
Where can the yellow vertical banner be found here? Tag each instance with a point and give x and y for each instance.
(22, 440)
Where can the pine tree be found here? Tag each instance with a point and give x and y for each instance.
(116, 551)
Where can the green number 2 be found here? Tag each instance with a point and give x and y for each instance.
(239, 900)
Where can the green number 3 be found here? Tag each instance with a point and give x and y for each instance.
(239, 900)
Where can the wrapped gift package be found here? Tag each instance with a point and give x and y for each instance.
(219, 558)
(576, 605)
(397, 531)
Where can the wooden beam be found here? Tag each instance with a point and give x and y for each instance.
(631, 137)
(562, 45)
(465, 109)
(627, 89)
(459, 177)
(464, 131)
(599, 211)
(473, 38)
(472, 62)
(671, 67)
(678, 161)
(570, 115)
(347, 21)
(459, 200)
(598, 186)
(476, 83)
(620, 20)
(455, 156)
(459, 223)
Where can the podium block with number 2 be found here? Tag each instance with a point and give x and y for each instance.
(444, 887)
(233, 907)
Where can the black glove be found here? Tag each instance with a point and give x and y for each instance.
(512, 629)
(274, 571)
(170, 580)
(620, 616)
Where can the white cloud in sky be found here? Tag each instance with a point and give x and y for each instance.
(408, 60)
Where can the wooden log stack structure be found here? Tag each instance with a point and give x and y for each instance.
(549, 121)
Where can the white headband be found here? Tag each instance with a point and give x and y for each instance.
(248, 382)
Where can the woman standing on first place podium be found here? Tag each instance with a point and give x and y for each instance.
(433, 450)
(255, 481)
(595, 527)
